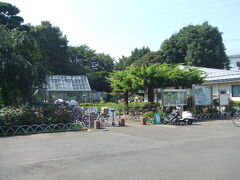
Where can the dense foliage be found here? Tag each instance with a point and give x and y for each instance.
(12, 116)
(85, 61)
(136, 54)
(52, 45)
(9, 16)
(20, 69)
(199, 45)
(149, 58)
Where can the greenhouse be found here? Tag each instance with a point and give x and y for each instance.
(71, 87)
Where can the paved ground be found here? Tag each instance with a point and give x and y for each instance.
(206, 150)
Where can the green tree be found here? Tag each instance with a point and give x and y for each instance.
(199, 45)
(20, 69)
(149, 58)
(86, 57)
(166, 75)
(154, 76)
(136, 54)
(82, 56)
(105, 62)
(123, 82)
(52, 45)
(98, 81)
(97, 66)
(185, 76)
(8, 16)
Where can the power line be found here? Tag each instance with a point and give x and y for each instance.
(231, 40)
(158, 21)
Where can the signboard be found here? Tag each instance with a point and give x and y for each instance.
(224, 100)
(202, 95)
(173, 97)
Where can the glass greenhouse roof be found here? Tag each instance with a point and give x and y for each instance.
(221, 75)
(68, 83)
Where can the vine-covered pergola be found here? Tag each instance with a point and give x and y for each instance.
(154, 76)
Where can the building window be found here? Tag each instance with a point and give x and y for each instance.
(235, 90)
(222, 91)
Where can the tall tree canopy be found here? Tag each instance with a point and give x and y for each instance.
(149, 58)
(20, 69)
(8, 16)
(97, 66)
(136, 54)
(52, 45)
(199, 45)
(88, 58)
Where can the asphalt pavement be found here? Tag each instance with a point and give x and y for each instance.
(205, 150)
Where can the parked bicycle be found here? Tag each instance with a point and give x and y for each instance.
(78, 116)
(236, 118)
(103, 119)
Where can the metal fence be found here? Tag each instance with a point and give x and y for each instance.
(213, 115)
(42, 128)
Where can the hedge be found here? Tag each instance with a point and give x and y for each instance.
(16, 116)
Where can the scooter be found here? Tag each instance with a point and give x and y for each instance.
(172, 118)
(186, 117)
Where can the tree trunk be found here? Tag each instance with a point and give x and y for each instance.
(125, 95)
(150, 94)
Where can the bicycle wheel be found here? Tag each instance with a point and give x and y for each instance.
(236, 120)
(85, 120)
(102, 121)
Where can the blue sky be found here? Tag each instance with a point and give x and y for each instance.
(116, 27)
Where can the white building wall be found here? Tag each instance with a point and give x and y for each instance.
(215, 89)
(225, 86)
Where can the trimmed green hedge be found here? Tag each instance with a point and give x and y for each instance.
(235, 103)
(137, 105)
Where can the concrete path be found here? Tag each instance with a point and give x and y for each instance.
(204, 150)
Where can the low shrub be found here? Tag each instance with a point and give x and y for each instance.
(137, 105)
(235, 103)
(212, 110)
(151, 106)
(16, 116)
(149, 116)
(206, 110)
(61, 116)
(12, 116)
(119, 106)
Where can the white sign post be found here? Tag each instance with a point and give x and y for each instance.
(224, 100)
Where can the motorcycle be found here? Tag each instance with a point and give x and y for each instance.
(177, 118)
(172, 118)
(187, 117)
